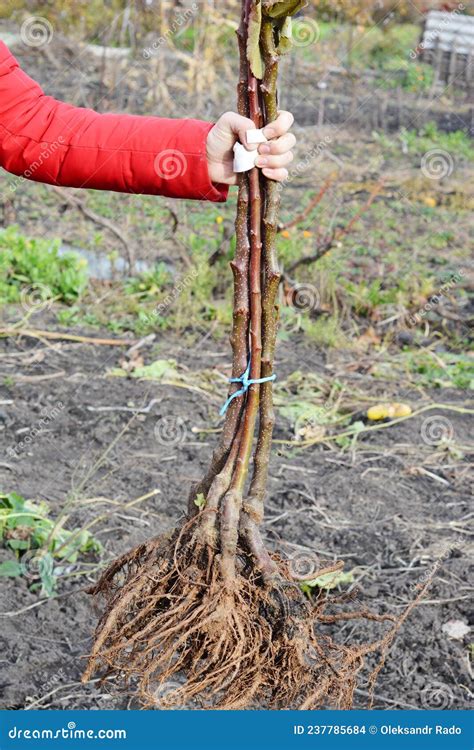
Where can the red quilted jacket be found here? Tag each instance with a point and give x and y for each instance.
(46, 140)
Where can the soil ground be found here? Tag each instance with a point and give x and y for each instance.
(382, 507)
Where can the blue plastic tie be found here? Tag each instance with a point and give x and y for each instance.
(246, 383)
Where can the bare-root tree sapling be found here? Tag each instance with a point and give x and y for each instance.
(208, 605)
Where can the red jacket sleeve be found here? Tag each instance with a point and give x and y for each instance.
(49, 141)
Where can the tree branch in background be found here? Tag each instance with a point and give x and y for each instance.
(328, 242)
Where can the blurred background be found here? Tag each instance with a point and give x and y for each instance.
(115, 312)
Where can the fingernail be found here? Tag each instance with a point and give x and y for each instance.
(261, 161)
(264, 149)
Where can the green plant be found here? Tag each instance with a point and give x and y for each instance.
(149, 282)
(430, 369)
(43, 549)
(457, 143)
(368, 296)
(159, 370)
(327, 581)
(389, 49)
(418, 77)
(349, 439)
(38, 268)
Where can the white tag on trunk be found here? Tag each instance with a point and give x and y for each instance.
(255, 136)
(244, 159)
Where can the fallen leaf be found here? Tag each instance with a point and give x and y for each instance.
(368, 338)
(456, 629)
(130, 365)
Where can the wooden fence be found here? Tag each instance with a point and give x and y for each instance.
(447, 43)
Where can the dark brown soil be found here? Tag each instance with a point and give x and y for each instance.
(370, 506)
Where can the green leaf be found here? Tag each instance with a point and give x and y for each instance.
(13, 501)
(285, 41)
(161, 369)
(68, 553)
(355, 428)
(27, 519)
(18, 544)
(329, 581)
(158, 370)
(48, 584)
(254, 55)
(10, 568)
(296, 410)
(16, 512)
(200, 500)
(282, 8)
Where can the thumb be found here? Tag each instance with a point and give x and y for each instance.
(236, 126)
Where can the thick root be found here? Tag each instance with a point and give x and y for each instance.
(184, 639)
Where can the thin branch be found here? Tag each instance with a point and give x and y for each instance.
(315, 201)
(330, 240)
(71, 200)
(57, 335)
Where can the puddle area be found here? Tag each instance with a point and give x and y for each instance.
(100, 266)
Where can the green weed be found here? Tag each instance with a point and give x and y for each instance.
(430, 369)
(149, 282)
(428, 137)
(36, 265)
(43, 549)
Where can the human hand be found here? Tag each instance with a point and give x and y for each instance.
(274, 156)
